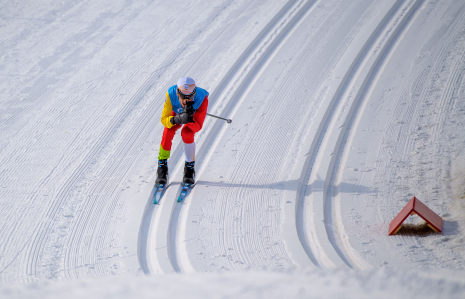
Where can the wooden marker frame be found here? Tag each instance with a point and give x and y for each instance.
(415, 206)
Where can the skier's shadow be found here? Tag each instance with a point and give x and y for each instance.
(317, 186)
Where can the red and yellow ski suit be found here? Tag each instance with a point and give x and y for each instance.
(188, 130)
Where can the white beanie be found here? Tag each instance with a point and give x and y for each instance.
(186, 85)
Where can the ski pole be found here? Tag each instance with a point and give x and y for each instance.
(227, 120)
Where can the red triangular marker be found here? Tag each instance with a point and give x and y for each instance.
(415, 206)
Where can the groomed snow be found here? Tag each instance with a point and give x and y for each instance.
(381, 283)
(342, 112)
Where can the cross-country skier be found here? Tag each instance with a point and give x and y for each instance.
(186, 107)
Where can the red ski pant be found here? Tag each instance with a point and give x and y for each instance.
(187, 135)
(168, 134)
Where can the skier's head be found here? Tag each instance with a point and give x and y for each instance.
(186, 87)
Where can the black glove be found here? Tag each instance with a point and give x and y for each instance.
(189, 109)
(181, 118)
(190, 116)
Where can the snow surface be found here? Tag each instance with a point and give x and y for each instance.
(342, 112)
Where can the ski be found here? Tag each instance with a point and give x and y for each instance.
(186, 187)
(159, 190)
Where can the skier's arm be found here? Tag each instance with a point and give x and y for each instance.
(166, 114)
(199, 116)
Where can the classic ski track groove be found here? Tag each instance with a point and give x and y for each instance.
(351, 123)
(239, 92)
(327, 254)
(244, 171)
(248, 177)
(332, 171)
(253, 179)
(309, 235)
(143, 122)
(147, 245)
(412, 113)
(179, 262)
(89, 223)
(130, 138)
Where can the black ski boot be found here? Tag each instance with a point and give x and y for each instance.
(162, 172)
(189, 173)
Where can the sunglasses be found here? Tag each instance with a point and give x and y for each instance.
(186, 96)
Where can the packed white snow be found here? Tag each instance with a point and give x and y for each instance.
(312, 284)
(342, 112)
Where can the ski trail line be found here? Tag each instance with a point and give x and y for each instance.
(153, 249)
(339, 159)
(309, 212)
(89, 224)
(326, 158)
(171, 254)
(248, 82)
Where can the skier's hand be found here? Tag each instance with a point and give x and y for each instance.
(181, 118)
(190, 117)
(189, 109)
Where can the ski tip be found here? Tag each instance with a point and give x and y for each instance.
(156, 198)
(159, 190)
(182, 196)
(185, 189)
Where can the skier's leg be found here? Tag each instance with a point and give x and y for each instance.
(166, 142)
(189, 151)
(164, 154)
(189, 144)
